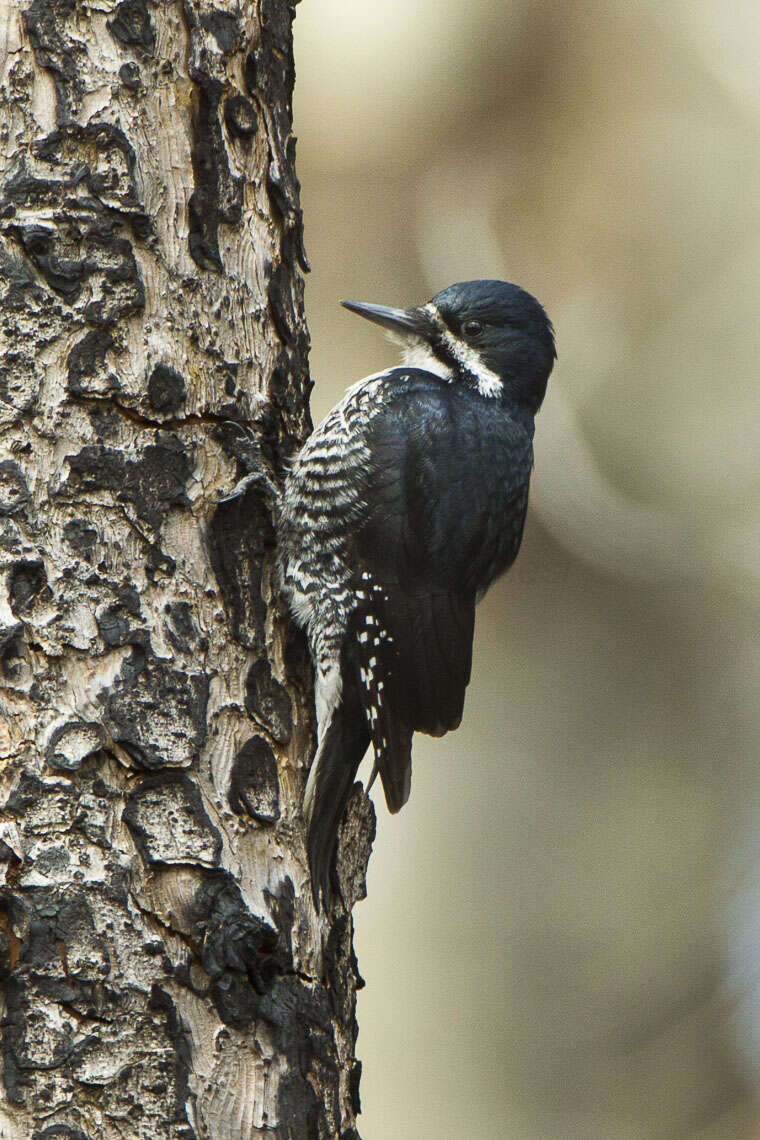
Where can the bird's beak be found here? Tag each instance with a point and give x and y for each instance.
(403, 322)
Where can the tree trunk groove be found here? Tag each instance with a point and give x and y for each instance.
(163, 971)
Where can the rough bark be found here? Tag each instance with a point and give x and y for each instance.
(163, 970)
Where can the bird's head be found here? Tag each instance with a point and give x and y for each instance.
(489, 335)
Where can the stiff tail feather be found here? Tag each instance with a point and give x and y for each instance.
(340, 752)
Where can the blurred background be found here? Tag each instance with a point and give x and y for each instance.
(562, 937)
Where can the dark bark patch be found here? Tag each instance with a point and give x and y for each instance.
(38, 802)
(282, 908)
(153, 482)
(24, 189)
(81, 537)
(242, 953)
(269, 67)
(133, 25)
(129, 74)
(224, 27)
(88, 373)
(14, 493)
(63, 274)
(60, 1132)
(13, 1037)
(288, 422)
(254, 784)
(354, 1081)
(285, 195)
(159, 565)
(57, 51)
(88, 194)
(300, 1020)
(166, 389)
(15, 275)
(281, 302)
(21, 296)
(156, 713)
(355, 838)
(298, 1109)
(240, 117)
(289, 392)
(240, 534)
(115, 627)
(10, 856)
(113, 263)
(32, 1045)
(14, 657)
(269, 73)
(26, 582)
(51, 860)
(68, 256)
(98, 158)
(295, 655)
(291, 1006)
(340, 961)
(169, 824)
(161, 1002)
(72, 743)
(267, 701)
(11, 542)
(180, 628)
(218, 194)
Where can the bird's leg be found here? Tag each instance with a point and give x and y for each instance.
(249, 456)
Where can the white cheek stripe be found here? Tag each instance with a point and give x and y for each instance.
(489, 383)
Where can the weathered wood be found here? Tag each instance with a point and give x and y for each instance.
(163, 971)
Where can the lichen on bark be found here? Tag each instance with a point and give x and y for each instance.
(163, 971)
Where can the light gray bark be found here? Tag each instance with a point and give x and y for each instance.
(163, 970)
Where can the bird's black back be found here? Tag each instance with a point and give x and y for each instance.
(445, 488)
(445, 496)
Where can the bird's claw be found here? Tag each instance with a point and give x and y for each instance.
(268, 487)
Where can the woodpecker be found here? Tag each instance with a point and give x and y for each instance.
(398, 513)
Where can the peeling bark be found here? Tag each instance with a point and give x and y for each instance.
(163, 971)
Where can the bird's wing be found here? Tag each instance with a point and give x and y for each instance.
(445, 494)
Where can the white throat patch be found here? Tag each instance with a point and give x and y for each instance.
(416, 354)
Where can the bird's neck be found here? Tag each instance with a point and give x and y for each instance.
(471, 375)
(521, 415)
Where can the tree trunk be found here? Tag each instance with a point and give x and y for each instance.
(164, 972)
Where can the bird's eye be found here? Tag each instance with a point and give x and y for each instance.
(472, 328)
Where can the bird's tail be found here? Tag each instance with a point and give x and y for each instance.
(340, 752)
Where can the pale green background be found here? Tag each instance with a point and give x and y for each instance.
(561, 935)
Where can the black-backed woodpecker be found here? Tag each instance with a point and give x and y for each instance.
(398, 513)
